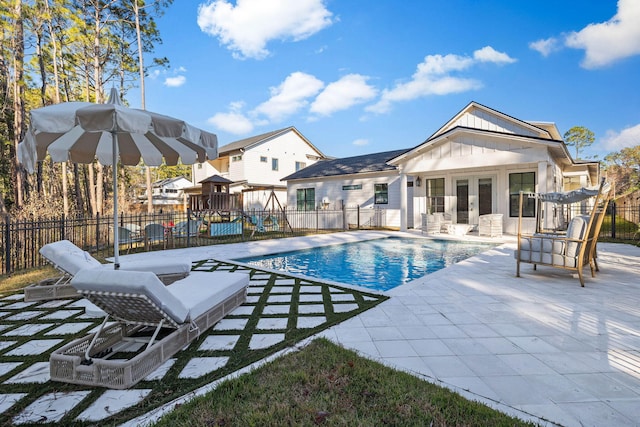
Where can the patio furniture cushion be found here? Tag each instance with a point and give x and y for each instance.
(131, 282)
(576, 231)
(200, 290)
(67, 257)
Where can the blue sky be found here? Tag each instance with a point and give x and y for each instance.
(361, 76)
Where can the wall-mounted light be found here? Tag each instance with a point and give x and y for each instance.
(418, 182)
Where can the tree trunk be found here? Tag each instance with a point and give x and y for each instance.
(18, 105)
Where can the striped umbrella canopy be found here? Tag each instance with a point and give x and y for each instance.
(82, 132)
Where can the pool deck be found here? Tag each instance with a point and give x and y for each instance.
(539, 347)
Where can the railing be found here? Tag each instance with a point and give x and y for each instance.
(21, 240)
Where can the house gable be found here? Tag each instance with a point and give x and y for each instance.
(478, 116)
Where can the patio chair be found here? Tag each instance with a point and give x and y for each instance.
(68, 259)
(154, 233)
(128, 237)
(187, 228)
(164, 318)
(572, 250)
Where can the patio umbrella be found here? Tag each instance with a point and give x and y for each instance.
(83, 131)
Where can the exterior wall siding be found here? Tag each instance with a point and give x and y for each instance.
(480, 119)
(330, 190)
(288, 148)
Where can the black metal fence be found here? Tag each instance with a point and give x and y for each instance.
(21, 240)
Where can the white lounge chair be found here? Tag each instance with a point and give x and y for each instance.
(144, 309)
(69, 259)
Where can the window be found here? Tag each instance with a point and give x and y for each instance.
(435, 195)
(199, 165)
(525, 182)
(263, 159)
(300, 165)
(380, 194)
(274, 164)
(352, 187)
(236, 158)
(306, 199)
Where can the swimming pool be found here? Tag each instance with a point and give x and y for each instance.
(379, 264)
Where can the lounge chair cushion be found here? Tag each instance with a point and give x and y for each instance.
(183, 300)
(160, 266)
(132, 282)
(200, 290)
(68, 257)
(71, 259)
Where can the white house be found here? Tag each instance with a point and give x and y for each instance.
(168, 193)
(479, 161)
(367, 181)
(257, 164)
(475, 164)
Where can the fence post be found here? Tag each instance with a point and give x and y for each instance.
(317, 219)
(188, 227)
(98, 232)
(344, 218)
(358, 221)
(7, 245)
(62, 227)
(613, 220)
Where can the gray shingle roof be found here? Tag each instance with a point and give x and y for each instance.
(376, 162)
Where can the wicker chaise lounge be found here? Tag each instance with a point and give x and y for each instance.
(164, 318)
(69, 259)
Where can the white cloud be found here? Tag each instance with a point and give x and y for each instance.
(361, 142)
(290, 97)
(175, 81)
(607, 42)
(489, 54)
(350, 90)
(434, 76)
(545, 46)
(246, 27)
(628, 137)
(232, 122)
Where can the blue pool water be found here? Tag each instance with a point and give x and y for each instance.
(379, 264)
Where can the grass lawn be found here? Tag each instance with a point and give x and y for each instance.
(324, 384)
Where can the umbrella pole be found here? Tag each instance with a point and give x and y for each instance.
(116, 239)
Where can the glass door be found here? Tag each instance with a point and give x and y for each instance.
(462, 201)
(485, 196)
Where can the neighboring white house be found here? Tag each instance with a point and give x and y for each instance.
(479, 161)
(168, 193)
(257, 164)
(367, 181)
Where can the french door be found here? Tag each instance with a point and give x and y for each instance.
(474, 197)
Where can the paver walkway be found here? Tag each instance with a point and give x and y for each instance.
(539, 345)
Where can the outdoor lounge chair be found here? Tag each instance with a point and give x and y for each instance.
(572, 250)
(69, 259)
(164, 318)
(154, 233)
(187, 228)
